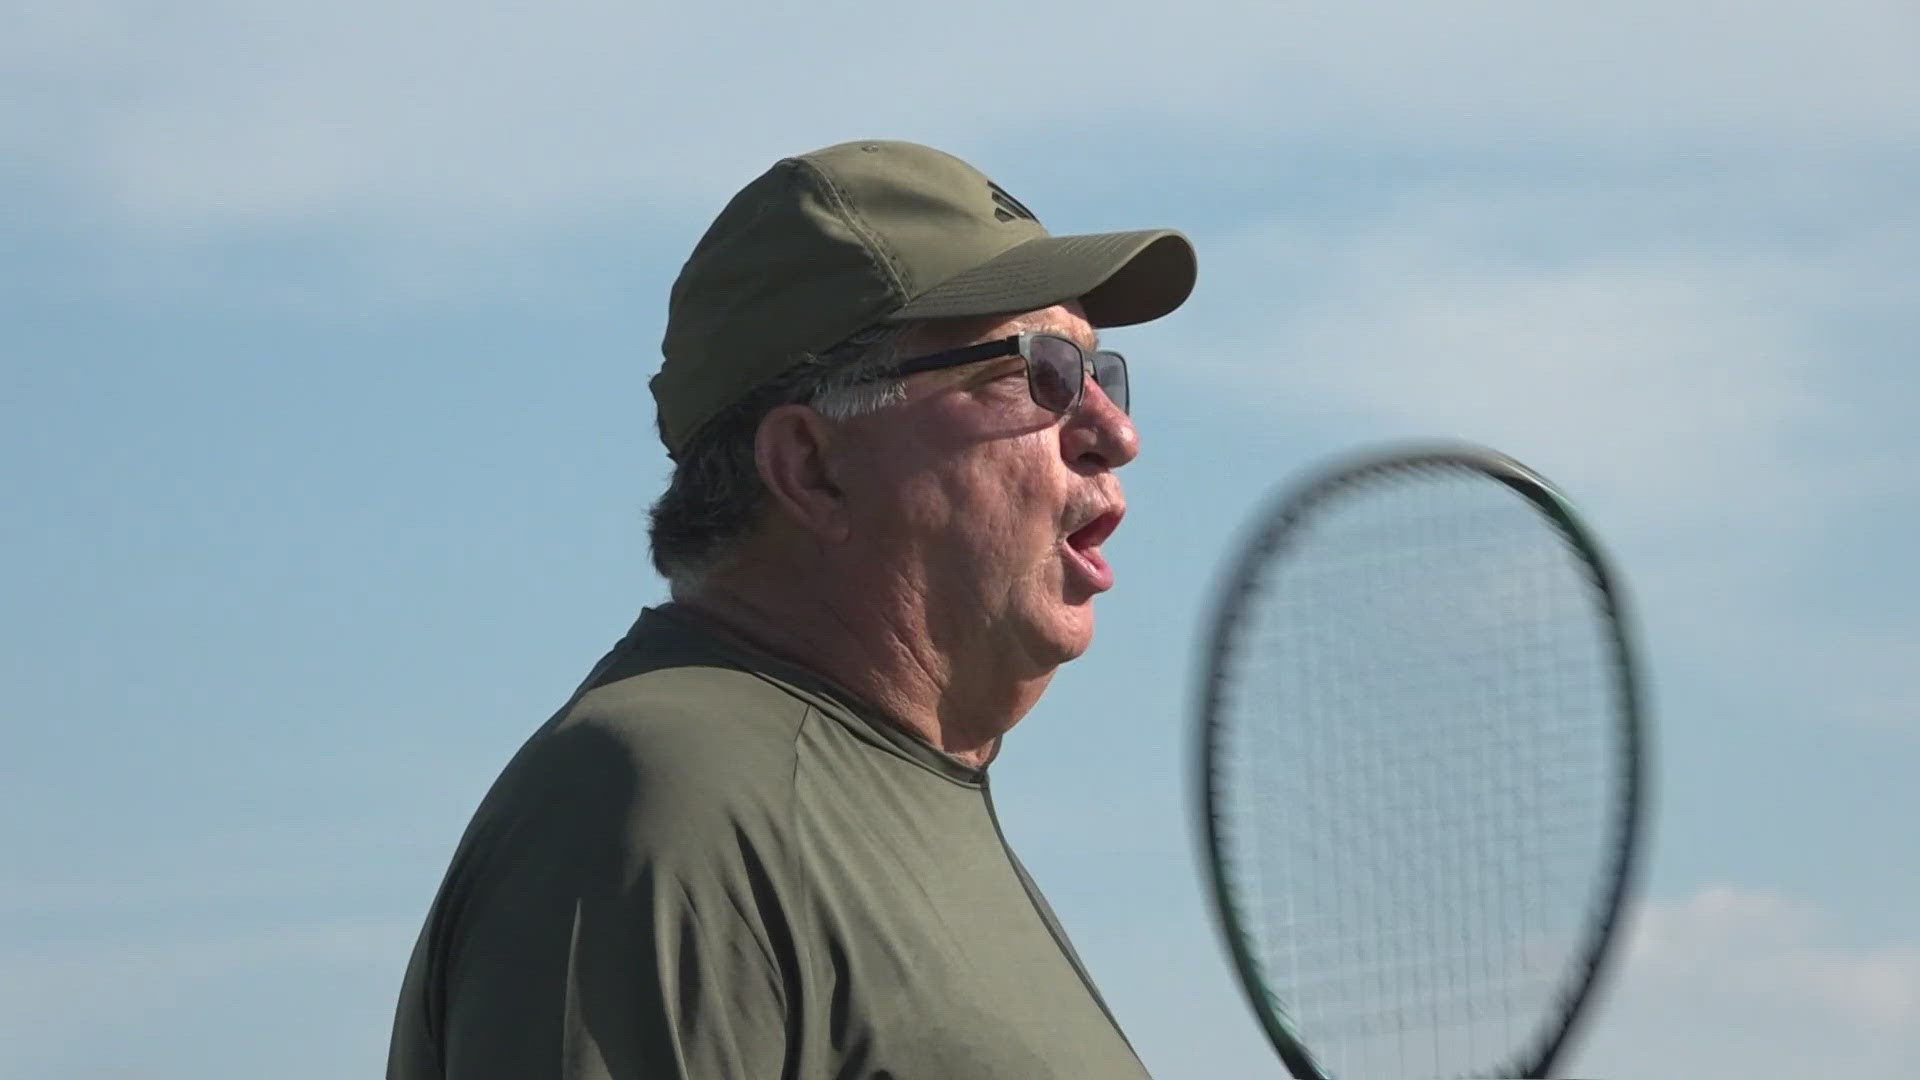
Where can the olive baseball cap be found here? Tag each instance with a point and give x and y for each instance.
(827, 243)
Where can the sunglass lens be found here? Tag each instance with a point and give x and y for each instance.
(1110, 371)
(1053, 372)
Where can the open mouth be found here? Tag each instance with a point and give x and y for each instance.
(1083, 551)
(1094, 533)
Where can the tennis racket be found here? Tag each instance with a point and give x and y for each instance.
(1422, 761)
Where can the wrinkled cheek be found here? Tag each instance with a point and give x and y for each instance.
(1000, 519)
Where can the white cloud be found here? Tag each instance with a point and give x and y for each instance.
(224, 112)
(1583, 326)
(1733, 982)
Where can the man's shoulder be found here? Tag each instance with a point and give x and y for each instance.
(671, 764)
(678, 737)
(700, 722)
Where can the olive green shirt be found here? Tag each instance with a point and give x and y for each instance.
(714, 864)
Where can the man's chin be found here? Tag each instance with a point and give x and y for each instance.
(1070, 632)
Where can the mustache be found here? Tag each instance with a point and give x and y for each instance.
(1085, 507)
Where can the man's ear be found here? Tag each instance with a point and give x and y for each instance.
(790, 450)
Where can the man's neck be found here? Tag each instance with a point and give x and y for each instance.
(872, 641)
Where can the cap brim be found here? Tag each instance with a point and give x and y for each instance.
(1119, 278)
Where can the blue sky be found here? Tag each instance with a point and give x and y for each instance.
(326, 448)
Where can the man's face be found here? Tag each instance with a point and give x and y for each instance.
(986, 510)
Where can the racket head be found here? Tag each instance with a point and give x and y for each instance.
(1616, 742)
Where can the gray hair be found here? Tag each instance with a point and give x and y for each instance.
(715, 499)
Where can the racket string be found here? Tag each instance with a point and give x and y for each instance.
(1439, 816)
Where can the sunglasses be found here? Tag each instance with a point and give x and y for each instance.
(1056, 368)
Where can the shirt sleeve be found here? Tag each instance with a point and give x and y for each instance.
(676, 982)
(632, 922)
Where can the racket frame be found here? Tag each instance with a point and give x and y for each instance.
(1275, 527)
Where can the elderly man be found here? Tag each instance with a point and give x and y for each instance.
(758, 842)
